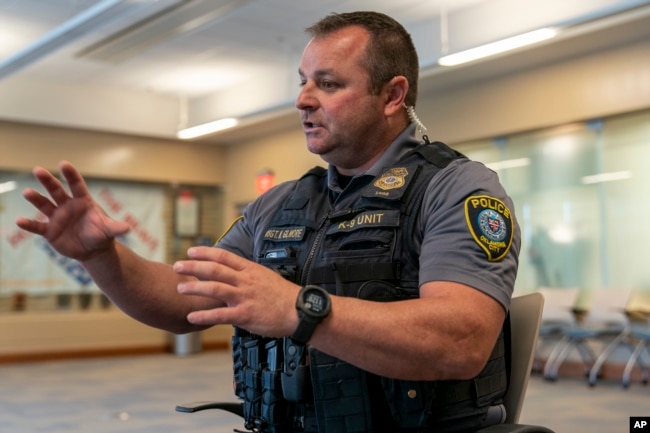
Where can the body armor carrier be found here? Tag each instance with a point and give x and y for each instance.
(361, 243)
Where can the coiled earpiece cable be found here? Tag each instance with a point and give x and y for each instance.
(410, 110)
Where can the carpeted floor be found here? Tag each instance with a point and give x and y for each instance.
(138, 395)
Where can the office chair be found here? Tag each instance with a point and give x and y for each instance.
(619, 328)
(642, 334)
(557, 316)
(525, 318)
(605, 318)
(525, 321)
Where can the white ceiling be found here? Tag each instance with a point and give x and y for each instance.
(178, 63)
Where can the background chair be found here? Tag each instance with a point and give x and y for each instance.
(525, 318)
(612, 307)
(642, 335)
(557, 316)
(604, 319)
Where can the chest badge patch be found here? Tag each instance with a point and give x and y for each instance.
(392, 179)
(491, 224)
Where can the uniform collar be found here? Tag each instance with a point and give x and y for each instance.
(402, 144)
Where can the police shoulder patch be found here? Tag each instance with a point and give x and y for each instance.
(491, 224)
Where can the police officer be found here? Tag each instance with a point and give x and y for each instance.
(367, 297)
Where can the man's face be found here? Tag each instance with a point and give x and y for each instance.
(340, 118)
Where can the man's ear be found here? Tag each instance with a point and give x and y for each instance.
(396, 90)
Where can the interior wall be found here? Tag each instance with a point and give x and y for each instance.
(113, 156)
(42, 335)
(284, 153)
(597, 85)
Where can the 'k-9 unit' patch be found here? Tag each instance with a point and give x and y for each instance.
(491, 224)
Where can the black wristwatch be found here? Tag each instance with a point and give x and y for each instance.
(313, 305)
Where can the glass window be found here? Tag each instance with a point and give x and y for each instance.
(581, 197)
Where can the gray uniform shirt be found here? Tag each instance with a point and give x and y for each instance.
(458, 234)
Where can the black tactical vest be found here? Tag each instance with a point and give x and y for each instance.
(361, 243)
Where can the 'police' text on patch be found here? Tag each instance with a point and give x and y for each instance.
(491, 224)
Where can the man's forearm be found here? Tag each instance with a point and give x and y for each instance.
(143, 289)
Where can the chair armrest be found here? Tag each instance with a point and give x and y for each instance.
(514, 428)
(196, 406)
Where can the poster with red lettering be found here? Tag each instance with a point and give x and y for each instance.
(28, 264)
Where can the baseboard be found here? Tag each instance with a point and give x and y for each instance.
(41, 336)
(102, 353)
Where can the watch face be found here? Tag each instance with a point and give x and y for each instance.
(315, 302)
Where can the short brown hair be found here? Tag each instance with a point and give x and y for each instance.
(390, 51)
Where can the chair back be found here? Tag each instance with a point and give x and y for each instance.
(525, 319)
(607, 307)
(558, 305)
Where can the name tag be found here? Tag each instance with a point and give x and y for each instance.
(285, 233)
(381, 218)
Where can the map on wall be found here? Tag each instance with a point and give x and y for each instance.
(29, 264)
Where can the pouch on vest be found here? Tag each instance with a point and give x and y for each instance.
(295, 380)
(274, 414)
(282, 260)
(409, 401)
(251, 382)
(341, 399)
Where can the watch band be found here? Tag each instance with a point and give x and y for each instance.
(312, 305)
(306, 327)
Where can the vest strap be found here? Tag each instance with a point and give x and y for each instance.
(476, 389)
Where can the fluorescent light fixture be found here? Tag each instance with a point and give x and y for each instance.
(206, 128)
(508, 163)
(180, 18)
(497, 47)
(562, 234)
(606, 177)
(7, 186)
(87, 20)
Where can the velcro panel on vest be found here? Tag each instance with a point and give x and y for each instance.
(341, 395)
(358, 272)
